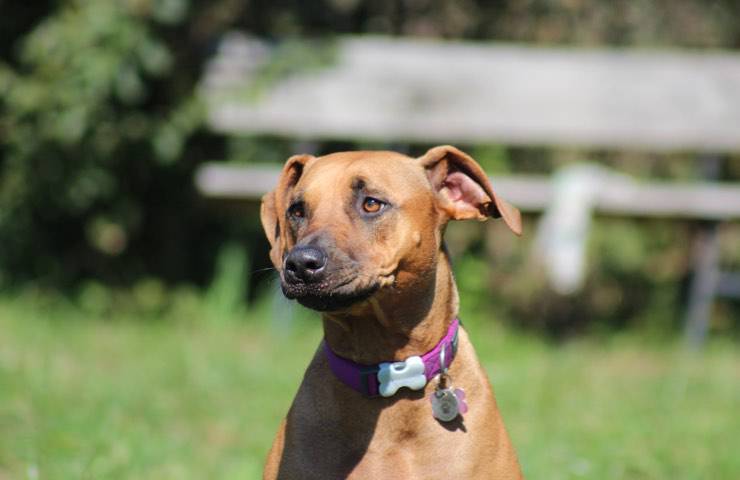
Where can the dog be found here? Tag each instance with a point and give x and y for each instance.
(395, 389)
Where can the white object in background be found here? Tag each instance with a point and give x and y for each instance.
(563, 231)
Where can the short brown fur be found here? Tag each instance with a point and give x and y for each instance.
(331, 431)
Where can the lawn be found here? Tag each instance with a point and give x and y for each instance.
(197, 398)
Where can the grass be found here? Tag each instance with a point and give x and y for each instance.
(196, 398)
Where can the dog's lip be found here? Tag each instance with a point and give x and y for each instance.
(343, 277)
(385, 279)
(326, 288)
(332, 301)
(333, 296)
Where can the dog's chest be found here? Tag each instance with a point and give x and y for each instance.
(404, 442)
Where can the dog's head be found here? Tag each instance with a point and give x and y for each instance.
(347, 225)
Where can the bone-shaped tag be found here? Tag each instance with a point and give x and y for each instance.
(393, 376)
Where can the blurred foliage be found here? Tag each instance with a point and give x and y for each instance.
(101, 131)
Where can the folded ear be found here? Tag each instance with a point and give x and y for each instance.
(274, 204)
(268, 215)
(463, 188)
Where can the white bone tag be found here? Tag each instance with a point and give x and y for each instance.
(393, 376)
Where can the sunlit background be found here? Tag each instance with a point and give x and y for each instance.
(142, 331)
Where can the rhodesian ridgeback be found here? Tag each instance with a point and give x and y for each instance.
(395, 389)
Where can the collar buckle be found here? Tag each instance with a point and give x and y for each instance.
(367, 373)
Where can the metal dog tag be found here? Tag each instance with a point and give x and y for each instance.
(445, 405)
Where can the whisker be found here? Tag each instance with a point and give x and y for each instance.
(266, 269)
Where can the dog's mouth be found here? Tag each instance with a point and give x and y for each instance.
(330, 295)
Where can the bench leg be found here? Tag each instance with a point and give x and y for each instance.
(703, 285)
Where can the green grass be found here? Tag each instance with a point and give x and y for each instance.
(195, 398)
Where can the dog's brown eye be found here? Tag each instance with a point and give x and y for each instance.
(296, 210)
(372, 205)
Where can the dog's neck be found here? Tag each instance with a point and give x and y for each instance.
(398, 323)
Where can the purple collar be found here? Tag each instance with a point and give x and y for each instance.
(386, 378)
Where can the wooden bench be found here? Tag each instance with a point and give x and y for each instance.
(399, 91)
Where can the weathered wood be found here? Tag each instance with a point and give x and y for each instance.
(452, 92)
(706, 273)
(728, 285)
(229, 182)
(703, 285)
(530, 193)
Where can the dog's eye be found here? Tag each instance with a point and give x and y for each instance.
(372, 205)
(297, 210)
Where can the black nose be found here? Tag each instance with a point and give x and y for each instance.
(305, 264)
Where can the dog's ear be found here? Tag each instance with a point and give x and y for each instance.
(463, 188)
(274, 204)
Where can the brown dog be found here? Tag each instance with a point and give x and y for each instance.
(358, 236)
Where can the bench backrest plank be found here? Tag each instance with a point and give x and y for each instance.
(708, 201)
(451, 92)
